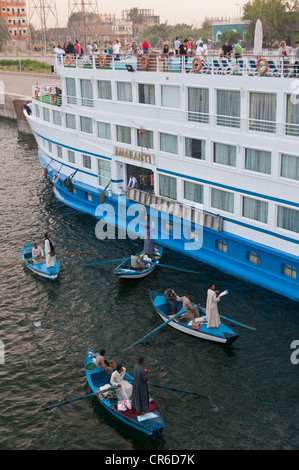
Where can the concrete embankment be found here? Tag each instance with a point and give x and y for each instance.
(16, 90)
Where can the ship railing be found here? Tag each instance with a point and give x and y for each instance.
(48, 94)
(176, 209)
(270, 66)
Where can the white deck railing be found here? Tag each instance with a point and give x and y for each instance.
(269, 66)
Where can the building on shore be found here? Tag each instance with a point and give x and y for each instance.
(238, 26)
(15, 16)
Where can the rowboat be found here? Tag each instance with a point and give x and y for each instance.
(150, 423)
(125, 271)
(40, 269)
(223, 334)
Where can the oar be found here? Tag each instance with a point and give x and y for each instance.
(240, 324)
(79, 253)
(173, 267)
(182, 391)
(152, 332)
(73, 400)
(105, 262)
(20, 262)
(178, 390)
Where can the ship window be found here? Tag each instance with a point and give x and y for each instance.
(124, 91)
(70, 121)
(57, 118)
(289, 167)
(195, 148)
(37, 113)
(50, 146)
(88, 196)
(71, 156)
(198, 104)
(222, 200)
(253, 257)
(255, 209)
(146, 93)
(225, 154)
(104, 169)
(258, 160)
(104, 90)
(169, 143)
(86, 93)
(59, 152)
(167, 187)
(262, 112)
(71, 90)
(228, 108)
(289, 271)
(46, 114)
(292, 118)
(221, 246)
(288, 219)
(87, 161)
(104, 130)
(123, 134)
(170, 96)
(193, 192)
(145, 138)
(86, 124)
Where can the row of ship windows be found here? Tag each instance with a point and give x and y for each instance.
(254, 209)
(224, 154)
(263, 112)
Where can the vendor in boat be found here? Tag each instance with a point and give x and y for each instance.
(102, 362)
(171, 299)
(140, 393)
(124, 388)
(50, 252)
(148, 245)
(37, 254)
(191, 310)
(212, 314)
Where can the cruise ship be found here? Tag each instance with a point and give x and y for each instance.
(212, 143)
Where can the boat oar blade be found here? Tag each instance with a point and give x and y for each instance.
(106, 262)
(154, 331)
(237, 323)
(182, 391)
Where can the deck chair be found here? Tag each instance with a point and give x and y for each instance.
(216, 66)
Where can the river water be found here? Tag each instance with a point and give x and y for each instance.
(253, 384)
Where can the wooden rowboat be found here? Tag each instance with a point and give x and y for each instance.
(40, 269)
(151, 423)
(223, 334)
(125, 271)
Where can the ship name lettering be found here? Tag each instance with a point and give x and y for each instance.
(141, 157)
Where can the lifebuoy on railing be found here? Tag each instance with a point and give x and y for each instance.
(54, 99)
(266, 65)
(36, 94)
(144, 62)
(102, 61)
(197, 67)
(68, 61)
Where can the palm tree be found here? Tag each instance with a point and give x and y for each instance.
(4, 34)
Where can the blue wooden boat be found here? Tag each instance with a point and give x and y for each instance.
(151, 423)
(41, 268)
(223, 334)
(125, 271)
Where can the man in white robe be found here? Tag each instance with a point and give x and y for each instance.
(124, 388)
(49, 251)
(38, 254)
(212, 314)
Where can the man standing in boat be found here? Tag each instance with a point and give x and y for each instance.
(140, 393)
(49, 251)
(212, 314)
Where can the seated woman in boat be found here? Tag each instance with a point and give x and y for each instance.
(124, 388)
(191, 310)
(38, 254)
(102, 363)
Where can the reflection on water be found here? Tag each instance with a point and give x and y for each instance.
(253, 385)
